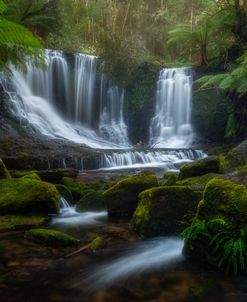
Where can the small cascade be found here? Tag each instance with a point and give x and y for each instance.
(171, 125)
(168, 159)
(111, 124)
(64, 203)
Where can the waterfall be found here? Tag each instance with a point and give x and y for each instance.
(171, 124)
(62, 101)
(167, 159)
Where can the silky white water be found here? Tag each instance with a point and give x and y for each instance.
(61, 101)
(171, 125)
(141, 257)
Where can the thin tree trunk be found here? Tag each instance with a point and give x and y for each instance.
(126, 15)
(114, 15)
(245, 6)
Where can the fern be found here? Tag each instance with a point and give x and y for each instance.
(230, 250)
(17, 45)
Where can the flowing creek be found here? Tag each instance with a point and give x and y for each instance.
(128, 269)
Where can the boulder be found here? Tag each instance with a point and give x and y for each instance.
(26, 195)
(226, 199)
(122, 198)
(50, 237)
(237, 156)
(21, 222)
(160, 210)
(91, 201)
(207, 165)
(199, 182)
(4, 173)
(65, 192)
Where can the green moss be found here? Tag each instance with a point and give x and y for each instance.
(160, 210)
(227, 199)
(14, 222)
(171, 178)
(4, 173)
(200, 167)
(28, 196)
(51, 237)
(97, 243)
(92, 200)
(32, 175)
(237, 156)
(197, 183)
(218, 232)
(76, 188)
(122, 198)
(65, 192)
(18, 173)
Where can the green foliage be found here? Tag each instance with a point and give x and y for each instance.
(226, 248)
(17, 44)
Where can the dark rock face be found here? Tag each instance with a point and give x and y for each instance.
(160, 210)
(211, 109)
(200, 167)
(122, 198)
(238, 155)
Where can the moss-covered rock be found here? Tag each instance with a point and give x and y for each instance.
(97, 243)
(50, 237)
(122, 198)
(75, 187)
(26, 195)
(20, 222)
(224, 198)
(218, 232)
(171, 177)
(199, 182)
(92, 200)
(160, 210)
(65, 192)
(4, 173)
(200, 167)
(32, 175)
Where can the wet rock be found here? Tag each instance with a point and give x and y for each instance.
(50, 237)
(199, 182)
(122, 198)
(20, 222)
(91, 201)
(207, 165)
(160, 210)
(28, 196)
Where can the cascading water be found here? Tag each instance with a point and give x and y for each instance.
(171, 125)
(169, 160)
(61, 101)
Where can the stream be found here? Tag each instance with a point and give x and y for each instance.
(127, 269)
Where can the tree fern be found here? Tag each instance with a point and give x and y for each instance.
(17, 44)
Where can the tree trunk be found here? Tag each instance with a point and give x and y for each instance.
(245, 6)
(203, 54)
(126, 15)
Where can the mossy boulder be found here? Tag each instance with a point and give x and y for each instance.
(91, 201)
(32, 175)
(160, 210)
(65, 192)
(51, 237)
(4, 173)
(207, 165)
(217, 233)
(74, 186)
(122, 198)
(224, 198)
(171, 178)
(26, 195)
(199, 182)
(20, 222)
